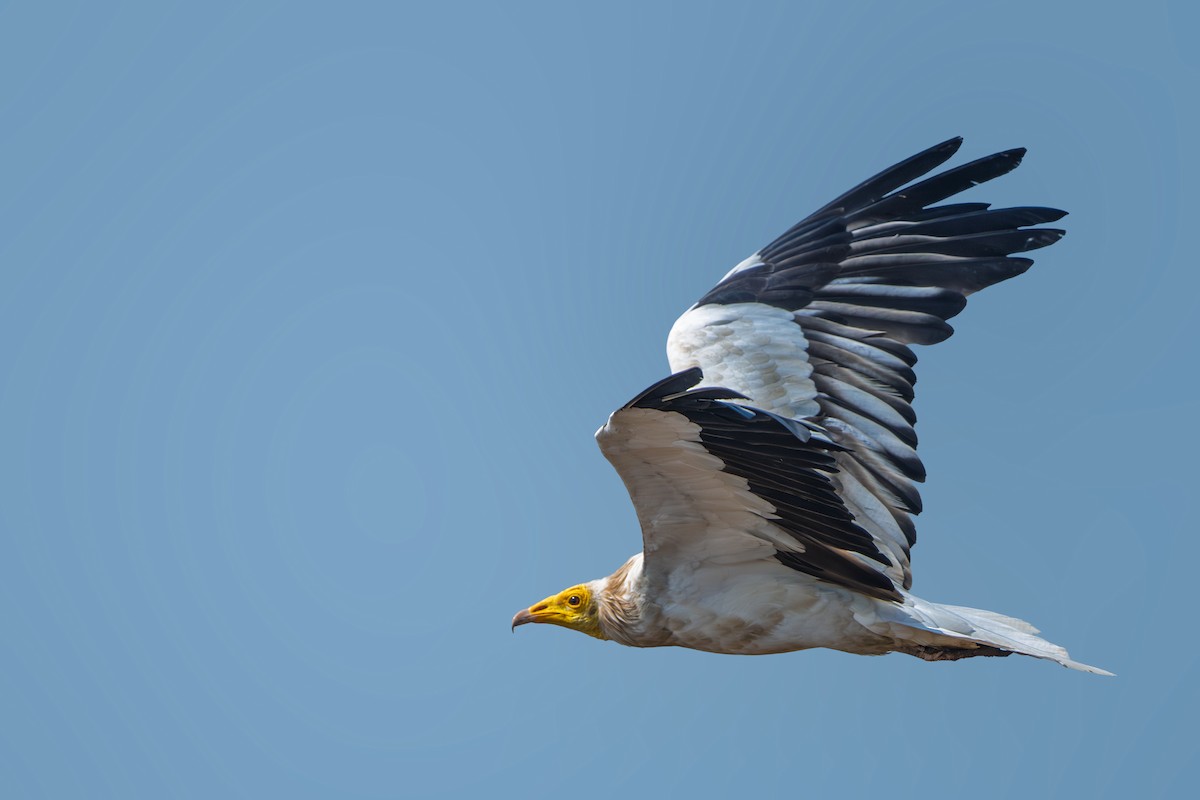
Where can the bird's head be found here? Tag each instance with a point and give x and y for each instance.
(577, 608)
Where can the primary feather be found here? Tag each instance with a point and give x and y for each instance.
(775, 473)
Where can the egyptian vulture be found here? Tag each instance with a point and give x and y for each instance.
(774, 473)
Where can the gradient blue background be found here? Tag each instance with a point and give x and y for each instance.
(307, 316)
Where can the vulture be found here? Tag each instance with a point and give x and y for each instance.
(774, 473)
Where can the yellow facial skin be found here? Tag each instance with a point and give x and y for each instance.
(573, 608)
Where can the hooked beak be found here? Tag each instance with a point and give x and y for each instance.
(527, 615)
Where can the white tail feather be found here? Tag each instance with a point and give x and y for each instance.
(929, 626)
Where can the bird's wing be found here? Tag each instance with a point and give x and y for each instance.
(816, 328)
(719, 482)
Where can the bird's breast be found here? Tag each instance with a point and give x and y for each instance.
(746, 615)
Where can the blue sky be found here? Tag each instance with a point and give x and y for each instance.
(307, 316)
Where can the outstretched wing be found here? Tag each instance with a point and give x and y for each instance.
(815, 329)
(716, 481)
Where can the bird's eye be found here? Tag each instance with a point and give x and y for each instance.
(574, 600)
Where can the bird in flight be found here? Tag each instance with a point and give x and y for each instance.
(774, 473)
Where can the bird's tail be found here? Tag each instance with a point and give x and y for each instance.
(939, 632)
